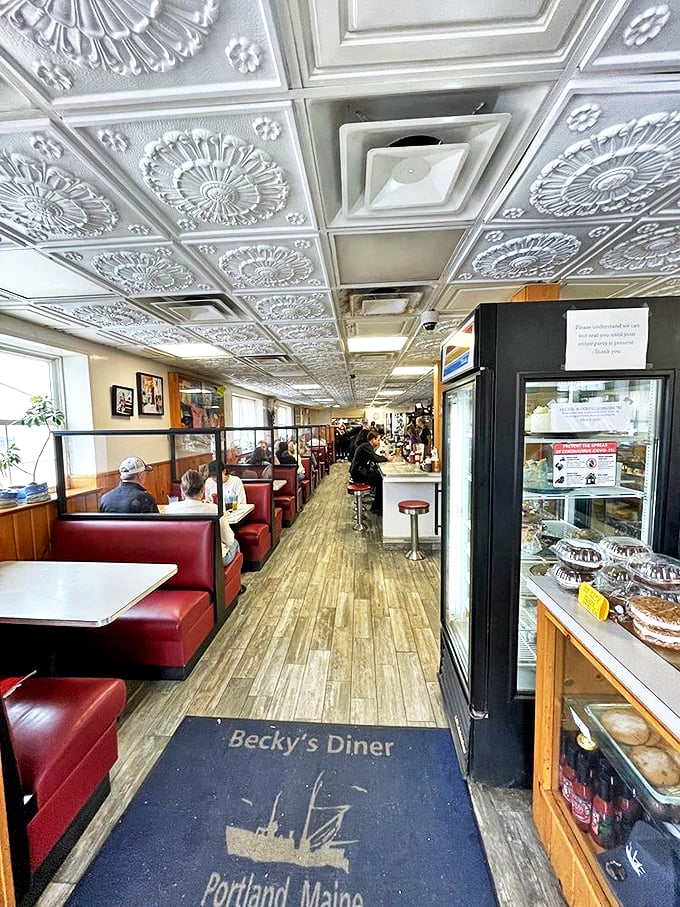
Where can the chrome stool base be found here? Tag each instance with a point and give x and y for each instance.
(358, 490)
(414, 509)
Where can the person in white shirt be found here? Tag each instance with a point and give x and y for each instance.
(193, 489)
(232, 486)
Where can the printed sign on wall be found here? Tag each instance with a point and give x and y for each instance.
(580, 463)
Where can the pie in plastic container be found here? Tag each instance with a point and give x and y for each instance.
(657, 570)
(623, 548)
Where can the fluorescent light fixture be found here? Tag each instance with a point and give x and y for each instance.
(306, 387)
(394, 393)
(192, 350)
(375, 344)
(408, 371)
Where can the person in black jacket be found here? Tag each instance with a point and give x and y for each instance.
(364, 467)
(130, 496)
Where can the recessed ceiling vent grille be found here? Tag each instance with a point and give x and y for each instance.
(266, 362)
(215, 309)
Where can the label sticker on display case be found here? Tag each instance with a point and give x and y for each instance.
(594, 415)
(458, 351)
(581, 463)
(593, 601)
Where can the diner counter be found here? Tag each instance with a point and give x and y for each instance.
(651, 678)
(407, 481)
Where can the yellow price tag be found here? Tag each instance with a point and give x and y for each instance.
(594, 601)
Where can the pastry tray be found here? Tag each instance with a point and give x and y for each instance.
(663, 803)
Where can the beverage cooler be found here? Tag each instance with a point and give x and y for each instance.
(534, 451)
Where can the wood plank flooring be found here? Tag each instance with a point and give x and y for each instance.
(335, 629)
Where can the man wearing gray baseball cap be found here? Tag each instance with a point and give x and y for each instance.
(130, 496)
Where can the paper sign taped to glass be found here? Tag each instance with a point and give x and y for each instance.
(607, 339)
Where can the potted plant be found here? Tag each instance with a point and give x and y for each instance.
(41, 413)
(9, 458)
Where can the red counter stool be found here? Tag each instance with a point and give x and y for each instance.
(414, 509)
(358, 489)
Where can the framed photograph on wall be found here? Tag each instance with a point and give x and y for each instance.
(122, 400)
(151, 401)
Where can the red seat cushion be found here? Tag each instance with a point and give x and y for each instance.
(418, 506)
(164, 629)
(55, 722)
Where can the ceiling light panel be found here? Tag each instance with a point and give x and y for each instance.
(375, 344)
(171, 51)
(32, 275)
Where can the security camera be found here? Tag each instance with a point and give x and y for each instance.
(429, 320)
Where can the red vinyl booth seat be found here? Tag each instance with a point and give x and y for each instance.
(278, 522)
(164, 633)
(287, 497)
(63, 734)
(255, 533)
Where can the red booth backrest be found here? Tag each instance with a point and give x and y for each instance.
(259, 494)
(289, 474)
(187, 543)
(307, 463)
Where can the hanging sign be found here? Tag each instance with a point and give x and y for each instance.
(580, 463)
(606, 339)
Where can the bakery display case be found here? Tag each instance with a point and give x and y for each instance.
(581, 439)
(535, 453)
(607, 753)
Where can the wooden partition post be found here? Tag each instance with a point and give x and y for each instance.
(437, 408)
(537, 292)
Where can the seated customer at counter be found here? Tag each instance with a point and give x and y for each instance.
(364, 467)
(193, 489)
(130, 496)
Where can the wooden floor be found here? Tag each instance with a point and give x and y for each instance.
(333, 629)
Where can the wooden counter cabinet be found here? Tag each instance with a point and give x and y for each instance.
(569, 674)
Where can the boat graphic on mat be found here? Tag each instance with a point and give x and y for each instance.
(317, 844)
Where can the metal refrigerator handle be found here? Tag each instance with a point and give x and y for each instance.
(437, 509)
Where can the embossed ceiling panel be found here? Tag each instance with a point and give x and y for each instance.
(519, 253)
(141, 270)
(50, 192)
(645, 36)
(83, 50)
(268, 263)
(275, 178)
(357, 40)
(609, 154)
(231, 168)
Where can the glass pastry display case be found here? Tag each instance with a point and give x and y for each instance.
(607, 754)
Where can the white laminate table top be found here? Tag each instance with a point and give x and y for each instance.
(278, 484)
(233, 516)
(74, 593)
(399, 471)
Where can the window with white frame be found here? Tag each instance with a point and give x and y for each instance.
(245, 411)
(284, 415)
(24, 375)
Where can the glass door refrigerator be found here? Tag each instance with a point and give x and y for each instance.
(533, 453)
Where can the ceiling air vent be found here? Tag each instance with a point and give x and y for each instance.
(266, 362)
